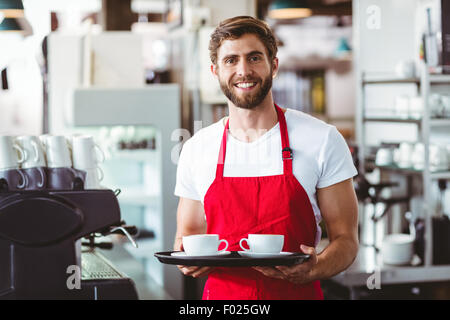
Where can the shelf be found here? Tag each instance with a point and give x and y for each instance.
(368, 262)
(434, 79)
(144, 155)
(391, 81)
(392, 119)
(436, 175)
(440, 78)
(435, 122)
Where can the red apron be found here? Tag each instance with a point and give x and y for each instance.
(238, 206)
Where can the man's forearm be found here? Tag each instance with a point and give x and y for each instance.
(335, 258)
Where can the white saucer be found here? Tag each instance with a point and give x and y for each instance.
(183, 254)
(248, 254)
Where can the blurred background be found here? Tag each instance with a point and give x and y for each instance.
(135, 74)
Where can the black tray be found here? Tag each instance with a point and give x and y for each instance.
(231, 260)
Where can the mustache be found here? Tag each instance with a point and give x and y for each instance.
(246, 79)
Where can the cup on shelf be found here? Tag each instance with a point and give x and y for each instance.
(445, 101)
(402, 106)
(11, 154)
(86, 157)
(384, 157)
(405, 69)
(437, 109)
(58, 152)
(93, 178)
(416, 107)
(418, 156)
(15, 178)
(33, 151)
(438, 157)
(404, 155)
(36, 178)
(85, 152)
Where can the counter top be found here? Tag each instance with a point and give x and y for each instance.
(368, 262)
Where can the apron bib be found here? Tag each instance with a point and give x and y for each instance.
(238, 206)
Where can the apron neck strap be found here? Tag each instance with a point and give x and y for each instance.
(286, 152)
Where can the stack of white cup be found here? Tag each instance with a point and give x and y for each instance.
(11, 157)
(87, 155)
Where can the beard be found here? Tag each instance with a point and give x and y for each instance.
(248, 100)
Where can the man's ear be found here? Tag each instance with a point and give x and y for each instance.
(214, 70)
(274, 67)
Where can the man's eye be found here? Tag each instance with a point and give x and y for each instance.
(229, 61)
(254, 58)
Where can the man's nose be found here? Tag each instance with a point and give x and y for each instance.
(243, 68)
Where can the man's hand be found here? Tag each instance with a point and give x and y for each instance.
(298, 274)
(194, 271)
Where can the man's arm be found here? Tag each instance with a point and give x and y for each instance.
(339, 208)
(190, 220)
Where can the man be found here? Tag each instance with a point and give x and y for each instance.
(265, 170)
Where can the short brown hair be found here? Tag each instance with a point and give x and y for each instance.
(234, 28)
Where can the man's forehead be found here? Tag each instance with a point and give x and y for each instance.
(243, 45)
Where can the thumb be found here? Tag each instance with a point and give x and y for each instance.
(306, 249)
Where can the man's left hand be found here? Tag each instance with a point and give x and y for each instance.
(298, 274)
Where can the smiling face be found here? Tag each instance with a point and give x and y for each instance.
(244, 71)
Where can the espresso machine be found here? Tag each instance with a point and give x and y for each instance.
(40, 231)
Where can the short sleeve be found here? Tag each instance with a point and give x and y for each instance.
(185, 186)
(335, 160)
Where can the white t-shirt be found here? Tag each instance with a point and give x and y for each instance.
(321, 157)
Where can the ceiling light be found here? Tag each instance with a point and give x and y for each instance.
(11, 8)
(289, 9)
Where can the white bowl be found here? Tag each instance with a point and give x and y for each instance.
(397, 249)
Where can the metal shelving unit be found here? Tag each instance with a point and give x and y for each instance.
(425, 123)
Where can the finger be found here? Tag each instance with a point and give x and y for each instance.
(270, 272)
(307, 250)
(201, 272)
(311, 251)
(187, 271)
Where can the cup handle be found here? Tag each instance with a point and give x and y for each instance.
(97, 147)
(101, 174)
(22, 153)
(24, 180)
(36, 151)
(226, 245)
(240, 244)
(41, 171)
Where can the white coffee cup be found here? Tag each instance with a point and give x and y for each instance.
(203, 244)
(58, 152)
(11, 154)
(416, 107)
(418, 156)
(34, 152)
(405, 69)
(93, 178)
(405, 153)
(402, 106)
(438, 157)
(85, 152)
(385, 156)
(263, 243)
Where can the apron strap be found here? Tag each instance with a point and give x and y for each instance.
(286, 152)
